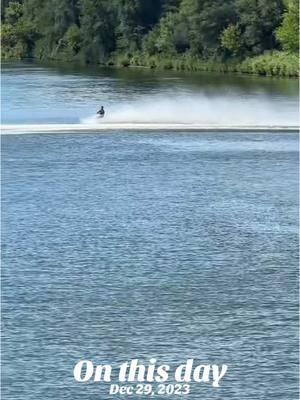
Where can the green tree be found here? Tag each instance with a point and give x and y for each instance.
(13, 12)
(17, 34)
(72, 38)
(231, 39)
(97, 27)
(288, 32)
(169, 37)
(207, 20)
(135, 18)
(257, 20)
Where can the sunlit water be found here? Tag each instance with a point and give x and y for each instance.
(140, 245)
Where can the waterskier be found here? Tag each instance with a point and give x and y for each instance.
(101, 112)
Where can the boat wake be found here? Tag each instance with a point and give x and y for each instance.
(104, 127)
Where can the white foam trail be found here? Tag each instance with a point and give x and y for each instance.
(180, 113)
(104, 127)
(198, 109)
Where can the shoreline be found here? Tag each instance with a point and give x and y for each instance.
(278, 64)
(254, 66)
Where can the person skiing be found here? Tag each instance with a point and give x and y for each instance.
(101, 112)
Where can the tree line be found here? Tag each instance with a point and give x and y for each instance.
(171, 33)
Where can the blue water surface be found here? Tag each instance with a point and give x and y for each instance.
(139, 245)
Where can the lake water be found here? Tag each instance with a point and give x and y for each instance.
(35, 94)
(163, 245)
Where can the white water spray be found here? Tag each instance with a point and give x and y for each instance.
(197, 110)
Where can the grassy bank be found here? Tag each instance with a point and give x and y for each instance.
(277, 63)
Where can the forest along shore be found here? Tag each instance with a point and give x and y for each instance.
(247, 36)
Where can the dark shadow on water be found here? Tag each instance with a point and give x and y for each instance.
(214, 81)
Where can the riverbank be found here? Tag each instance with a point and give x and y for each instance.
(277, 63)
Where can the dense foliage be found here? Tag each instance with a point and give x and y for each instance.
(181, 34)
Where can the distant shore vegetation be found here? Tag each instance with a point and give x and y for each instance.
(248, 36)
